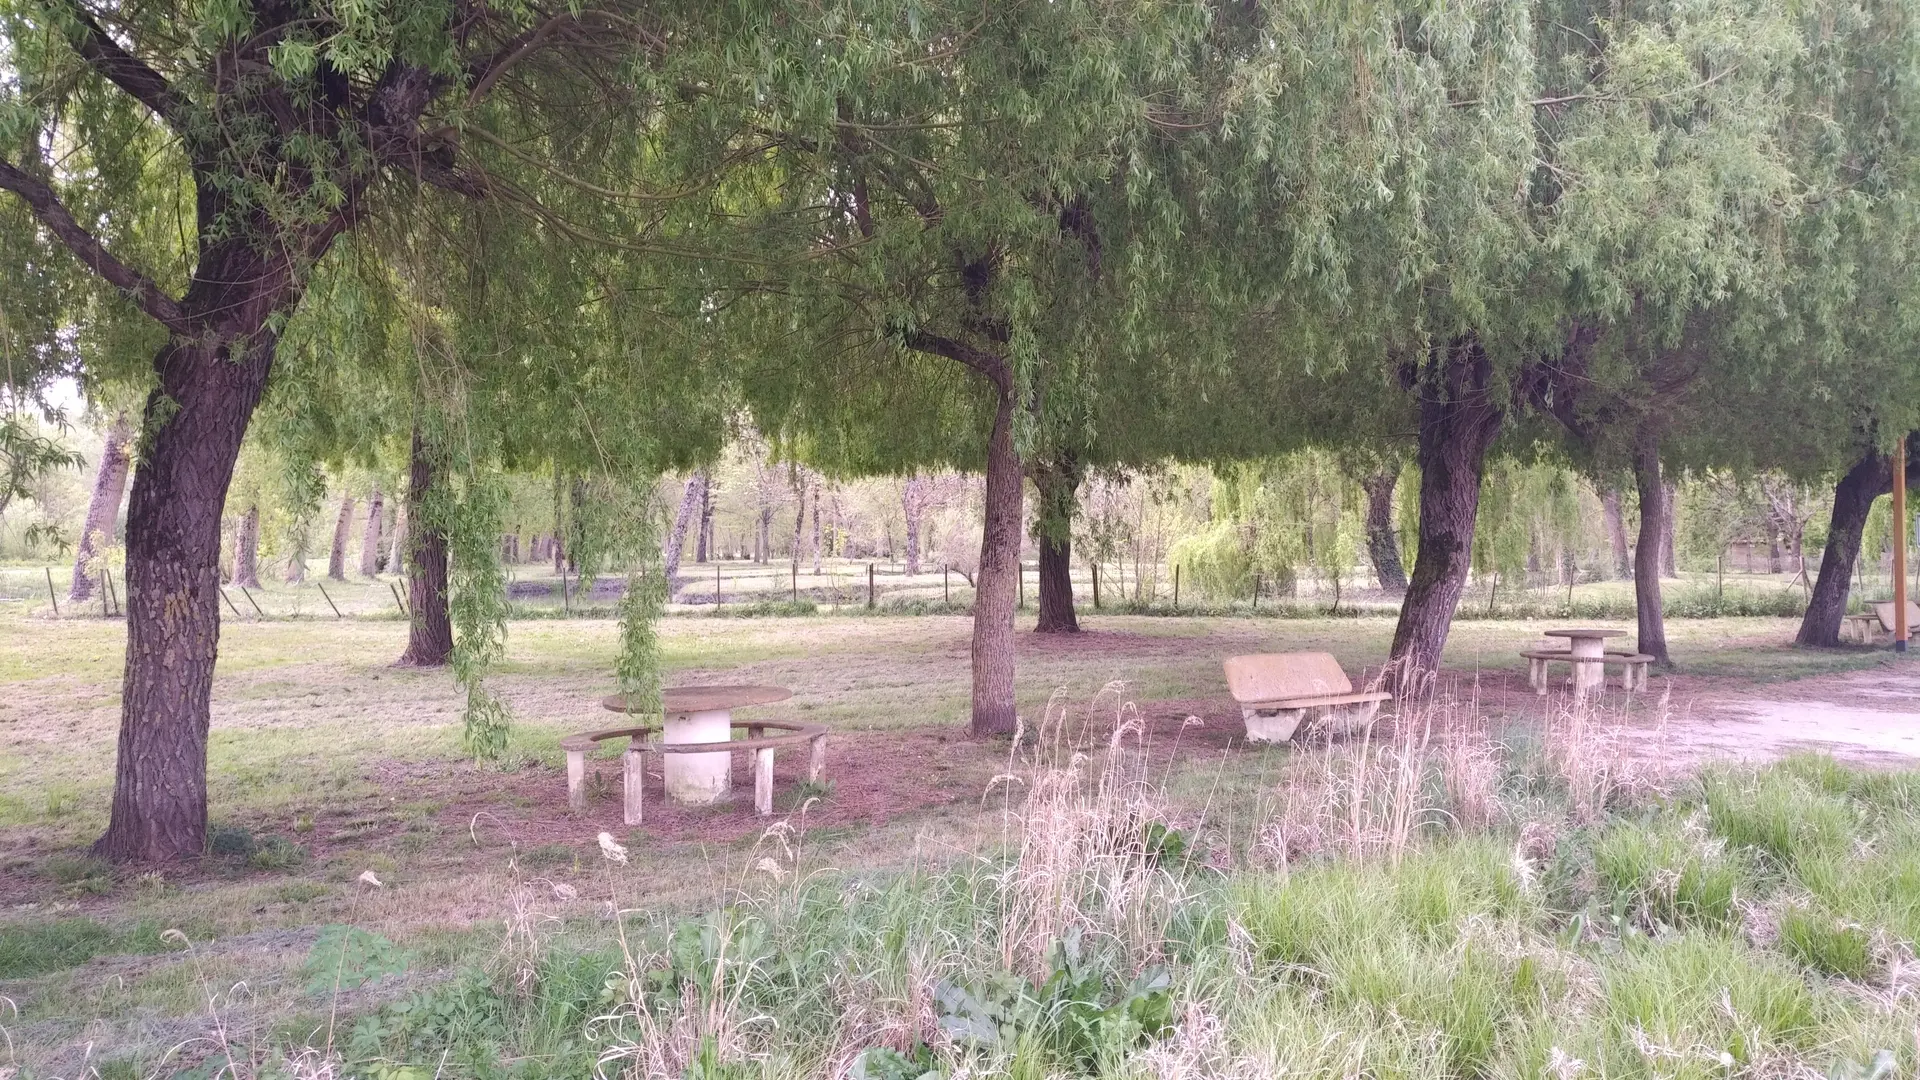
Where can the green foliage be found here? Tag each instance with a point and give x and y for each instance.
(1076, 1016)
(347, 958)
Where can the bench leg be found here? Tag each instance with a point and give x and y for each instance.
(1277, 728)
(1537, 675)
(816, 759)
(636, 781)
(577, 779)
(763, 781)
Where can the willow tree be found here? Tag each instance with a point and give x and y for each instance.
(275, 130)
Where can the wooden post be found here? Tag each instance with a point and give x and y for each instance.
(1020, 571)
(577, 779)
(395, 590)
(566, 597)
(230, 603)
(1256, 592)
(763, 780)
(796, 577)
(106, 576)
(1096, 585)
(816, 759)
(946, 587)
(634, 781)
(328, 599)
(251, 600)
(869, 586)
(52, 595)
(1176, 586)
(716, 583)
(1900, 627)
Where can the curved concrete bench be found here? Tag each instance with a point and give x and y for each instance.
(639, 744)
(1633, 667)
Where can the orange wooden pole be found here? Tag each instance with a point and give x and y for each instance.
(1900, 627)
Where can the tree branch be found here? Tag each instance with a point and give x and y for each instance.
(994, 368)
(123, 69)
(52, 214)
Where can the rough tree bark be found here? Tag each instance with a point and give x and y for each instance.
(1383, 546)
(430, 629)
(1650, 617)
(1616, 532)
(1669, 558)
(370, 538)
(913, 498)
(799, 517)
(995, 585)
(246, 549)
(103, 510)
(1853, 496)
(342, 527)
(1056, 484)
(677, 539)
(1460, 415)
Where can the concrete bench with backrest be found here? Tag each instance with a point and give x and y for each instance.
(1633, 667)
(1277, 692)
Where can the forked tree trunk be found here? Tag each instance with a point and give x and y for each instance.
(913, 499)
(429, 629)
(1459, 419)
(995, 584)
(1853, 496)
(1646, 556)
(677, 539)
(370, 538)
(195, 419)
(103, 510)
(1616, 532)
(1056, 487)
(342, 527)
(1383, 546)
(246, 550)
(1669, 558)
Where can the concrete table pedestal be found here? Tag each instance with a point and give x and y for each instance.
(698, 715)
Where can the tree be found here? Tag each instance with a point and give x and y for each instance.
(103, 510)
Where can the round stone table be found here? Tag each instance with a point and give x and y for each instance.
(1587, 643)
(701, 714)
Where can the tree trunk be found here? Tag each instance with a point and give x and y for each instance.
(703, 543)
(912, 502)
(1616, 532)
(559, 524)
(1383, 547)
(103, 510)
(296, 573)
(764, 540)
(1870, 478)
(799, 517)
(1646, 554)
(397, 545)
(246, 550)
(1569, 573)
(429, 630)
(1056, 487)
(1669, 558)
(816, 528)
(1459, 419)
(195, 419)
(342, 526)
(370, 538)
(677, 539)
(995, 585)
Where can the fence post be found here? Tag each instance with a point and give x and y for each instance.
(51, 595)
(256, 603)
(869, 586)
(1176, 586)
(1020, 571)
(1096, 586)
(946, 590)
(796, 577)
(1256, 592)
(716, 585)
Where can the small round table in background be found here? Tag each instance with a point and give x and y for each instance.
(1589, 643)
(702, 714)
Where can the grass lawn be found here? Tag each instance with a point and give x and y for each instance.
(1200, 918)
